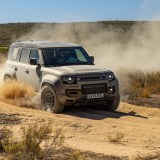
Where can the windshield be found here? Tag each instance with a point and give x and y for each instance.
(65, 56)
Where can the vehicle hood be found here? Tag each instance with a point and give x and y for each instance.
(76, 69)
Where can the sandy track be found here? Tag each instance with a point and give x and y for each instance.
(88, 128)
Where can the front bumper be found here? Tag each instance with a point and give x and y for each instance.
(68, 94)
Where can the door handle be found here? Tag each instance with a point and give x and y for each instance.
(27, 71)
(15, 68)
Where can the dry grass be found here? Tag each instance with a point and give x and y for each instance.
(116, 138)
(36, 143)
(5, 135)
(139, 84)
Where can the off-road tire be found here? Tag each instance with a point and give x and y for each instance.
(49, 101)
(113, 104)
(6, 78)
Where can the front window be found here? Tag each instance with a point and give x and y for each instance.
(65, 56)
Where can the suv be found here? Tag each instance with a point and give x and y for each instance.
(64, 74)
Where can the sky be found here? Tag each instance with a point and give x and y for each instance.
(77, 10)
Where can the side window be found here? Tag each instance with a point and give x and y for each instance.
(15, 53)
(24, 55)
(19, 54)
(11, 51)
(34, 54)
(80, 56)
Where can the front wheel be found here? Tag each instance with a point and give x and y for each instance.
(113, 104)
(49, 100)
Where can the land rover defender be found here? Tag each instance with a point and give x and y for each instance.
(63, 73)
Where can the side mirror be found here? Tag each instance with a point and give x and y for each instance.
(92, 58)
(33, 61)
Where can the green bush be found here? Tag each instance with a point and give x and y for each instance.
(4, 50)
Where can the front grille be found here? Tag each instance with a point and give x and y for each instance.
(92, 76)
(89, 78)
(93, 89)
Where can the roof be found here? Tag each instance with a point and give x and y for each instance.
(44, 44)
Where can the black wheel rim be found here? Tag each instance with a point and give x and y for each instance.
(48, 100)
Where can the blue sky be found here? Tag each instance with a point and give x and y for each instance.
(77, 10)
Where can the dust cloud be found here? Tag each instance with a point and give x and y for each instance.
(19, 93)
(3, 58)
(113, 47)
(120, 50)
(2, 69)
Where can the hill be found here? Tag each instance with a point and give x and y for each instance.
(13, 31)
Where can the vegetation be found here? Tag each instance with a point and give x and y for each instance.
(3, 50)
(5, 135)
(3, 53)
(39, 142)
(13, 31)
(29, 147)
(142, 84)
(116, 138)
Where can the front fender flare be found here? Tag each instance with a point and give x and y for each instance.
(52, 80)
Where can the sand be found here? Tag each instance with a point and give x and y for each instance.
(88, 129)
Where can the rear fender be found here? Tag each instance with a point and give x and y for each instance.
(10, 72)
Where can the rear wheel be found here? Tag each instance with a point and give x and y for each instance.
(49, 101)
(6, 78)
(113, 104)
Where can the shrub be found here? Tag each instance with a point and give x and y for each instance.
(146, 93)
(142, 84)
(4, 50)
(116, 138)
(35, 144)
(5, 136)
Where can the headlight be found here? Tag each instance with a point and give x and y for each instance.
(69, 80)
(110, 76)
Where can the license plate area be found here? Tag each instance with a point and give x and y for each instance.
(95, 96)
(94, 89)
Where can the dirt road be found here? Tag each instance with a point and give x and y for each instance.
(88, 128)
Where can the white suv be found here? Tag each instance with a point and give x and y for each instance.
(64, 74)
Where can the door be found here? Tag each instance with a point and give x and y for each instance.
(32, 72)
(19, 66)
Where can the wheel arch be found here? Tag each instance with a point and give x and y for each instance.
(11, 73)
(49, 79)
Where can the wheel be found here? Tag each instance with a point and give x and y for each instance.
(113, 104)
(49, 100)
(6, 78)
